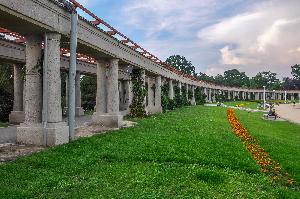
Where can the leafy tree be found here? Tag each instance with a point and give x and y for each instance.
(296, 71)
(204, 77)
(290, 84)
(6, 91)
(235, 78)
(267, 79)
(88, 86)
(219, 79)
(181, 63)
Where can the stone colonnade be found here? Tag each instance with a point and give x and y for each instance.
(113, 98)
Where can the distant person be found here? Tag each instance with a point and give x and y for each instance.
(273, 113)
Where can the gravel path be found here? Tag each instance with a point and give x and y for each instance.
(289, 112)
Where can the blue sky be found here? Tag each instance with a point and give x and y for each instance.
(215, 35)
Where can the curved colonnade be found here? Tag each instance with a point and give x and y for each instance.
(114, 61)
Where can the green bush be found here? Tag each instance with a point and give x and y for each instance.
(137, 107)
(6, 104)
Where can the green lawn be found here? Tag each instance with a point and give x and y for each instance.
(3, 124)
(187, 153)
(246, 104)
(280, 139)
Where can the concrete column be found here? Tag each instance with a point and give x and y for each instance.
(128, 95)
(57, 130)
(108, 113)
(143, 77)
(213, 98)
(101, 88)
(158, 107)
(206, 93)
(121, 95)
(187, 91)
(67, 97)
(209, 94)
(78, 110)
(17, 115)
(150, 96)
(179, 85)
(171, 89)
(112, 88)
(54, 79)
(32, 131)
(33, 84)
(193, 101)
(292, 96)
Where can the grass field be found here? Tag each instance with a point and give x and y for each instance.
(186, 153)
(3, 124)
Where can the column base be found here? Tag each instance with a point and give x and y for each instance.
(157, 109)
(57, 133)
(193, 102)
(79, 111)
(108, 120)
(16, 117)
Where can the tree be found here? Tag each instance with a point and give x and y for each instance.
(88, 86)
(6, 91)
(181, 63)
(267, 79)
(296, 71)
(235, 78)
(219, 79)
(204, 77)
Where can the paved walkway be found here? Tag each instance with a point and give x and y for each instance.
(289, 112)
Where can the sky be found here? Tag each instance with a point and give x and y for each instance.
(215, 35)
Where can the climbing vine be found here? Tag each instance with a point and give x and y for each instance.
(199, 96)
(137, 107)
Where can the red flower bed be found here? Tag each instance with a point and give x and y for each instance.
(268, 166)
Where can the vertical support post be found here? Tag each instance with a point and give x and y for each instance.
(180, 87)
(193, 101)
(78, 109)
(264, 97)
(285, 96)
(158, 94)
(171, 89)
(112, 88)
(17, 115)
(72, 74)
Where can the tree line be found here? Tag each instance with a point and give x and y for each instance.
(236, 78)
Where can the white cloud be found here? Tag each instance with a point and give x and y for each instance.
(264, 35)
(260, 39)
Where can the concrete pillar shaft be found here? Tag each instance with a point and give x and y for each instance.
(180, 87)
(112, 87)
(101, 87)
(54, 79)
(18, 89)
(33, 84)
(77, 90)
(171, 89)
(193, 101)
(158, 93)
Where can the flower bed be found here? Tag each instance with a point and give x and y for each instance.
(268, 166)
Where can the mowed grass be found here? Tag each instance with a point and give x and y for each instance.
(3, 124)
(280, 139)
(187, 153)
(246, 104)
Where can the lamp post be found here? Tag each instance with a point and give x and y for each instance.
(264, 97)
(285, 97)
